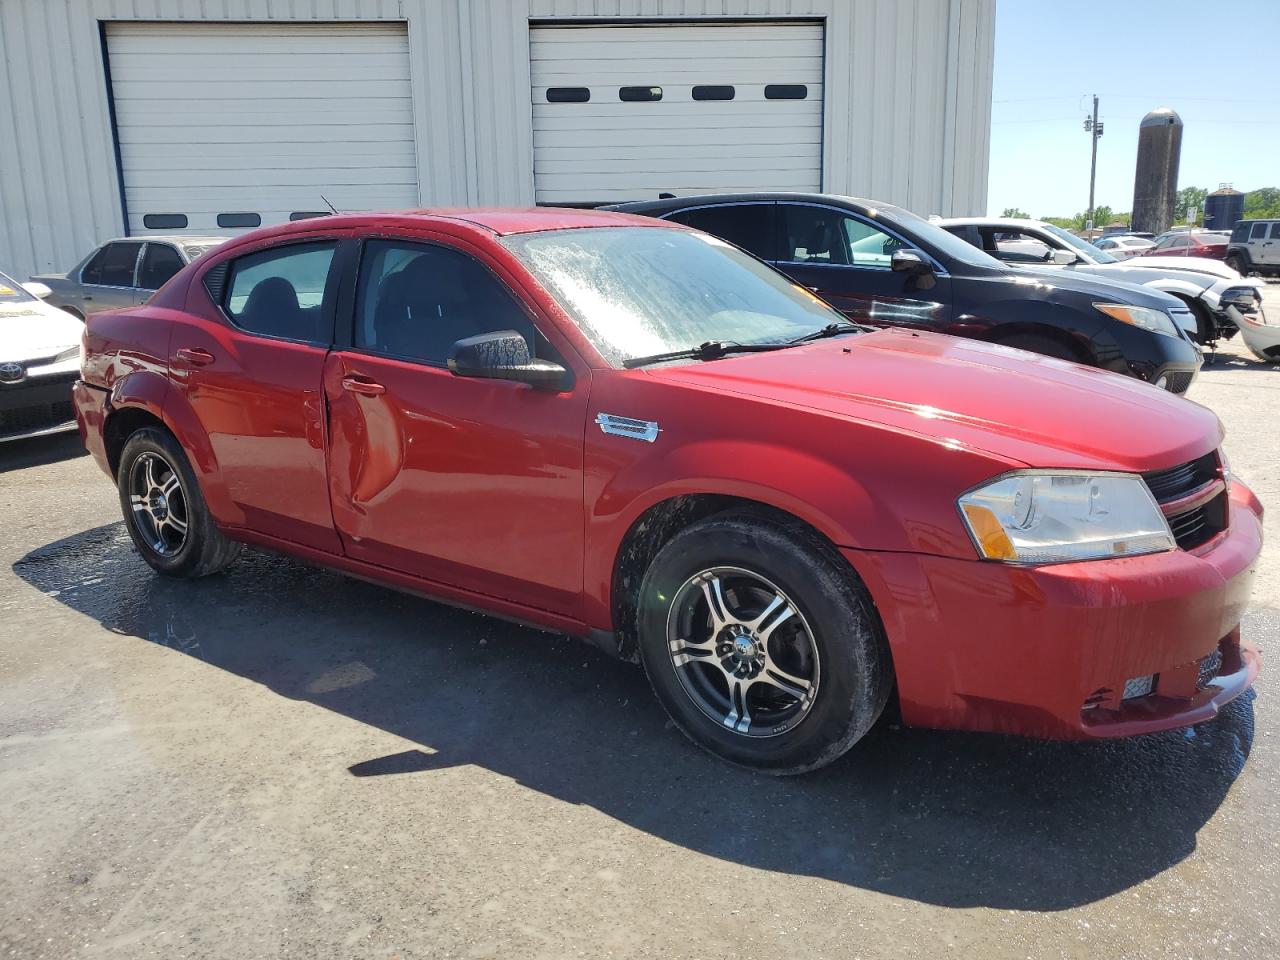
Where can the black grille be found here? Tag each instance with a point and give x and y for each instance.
(1178, 381)
(1210, 667)
(1196, 526)
(22, 419)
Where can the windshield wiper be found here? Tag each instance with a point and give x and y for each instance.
(711, 350)
(833, 330)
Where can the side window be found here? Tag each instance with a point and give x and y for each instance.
(113, 265)
(1259, 231)
(415, 300)
(1014, 246)
(749, 225)
(821, 235)
(1240, 233)
(1180, 242)
(280, 292)
(159, 263)
(1275, 230)
(812, 235)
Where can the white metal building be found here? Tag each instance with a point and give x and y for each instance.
(211, 116)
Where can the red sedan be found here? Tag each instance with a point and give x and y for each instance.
(633, 432)
(1211, 245)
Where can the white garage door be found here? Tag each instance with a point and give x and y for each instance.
(230, 124)
(628, 112)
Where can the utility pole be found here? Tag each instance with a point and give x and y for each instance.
(1094, 129)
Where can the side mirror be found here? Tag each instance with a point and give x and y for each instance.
(504, 355)
(1063, 258)
(37, 289)
(907, 260)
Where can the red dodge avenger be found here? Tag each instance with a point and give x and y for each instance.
(632, 432)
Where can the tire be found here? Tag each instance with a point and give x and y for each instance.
(164, 509)
(1237, 263)
(1042, 345)
(794, 624)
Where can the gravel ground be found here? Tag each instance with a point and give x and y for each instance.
(282, 762)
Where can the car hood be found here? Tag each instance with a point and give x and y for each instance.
(1215, 268)
(1128, 271)
(1023, 408)
(33, 330)
(1095, 285)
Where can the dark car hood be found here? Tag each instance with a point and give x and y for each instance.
(1113, 289)
(1021, 407)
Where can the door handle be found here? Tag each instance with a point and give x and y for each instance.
(362, 385)
(86, 297)
(195, 356)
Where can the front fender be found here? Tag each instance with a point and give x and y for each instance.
(861, 485)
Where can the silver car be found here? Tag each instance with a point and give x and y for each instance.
(123, 272)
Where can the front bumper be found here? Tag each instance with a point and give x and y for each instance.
(36, 406)
(1047, 651)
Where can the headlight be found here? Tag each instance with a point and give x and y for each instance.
(1053, 518)
(1157, 321)
(1244, 299)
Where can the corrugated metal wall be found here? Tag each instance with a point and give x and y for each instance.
(908, 100)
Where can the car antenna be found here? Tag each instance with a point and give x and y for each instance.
(328, 204)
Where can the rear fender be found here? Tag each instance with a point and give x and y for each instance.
(150, 391)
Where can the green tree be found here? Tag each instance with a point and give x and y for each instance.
(1187, 198)
(1262, 203)
(1015, 213)
(1101, 217)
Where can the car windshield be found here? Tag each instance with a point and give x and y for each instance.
(1087, 250)
(640, 291)
(11, 291)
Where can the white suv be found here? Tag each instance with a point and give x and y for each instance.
(1255, 247)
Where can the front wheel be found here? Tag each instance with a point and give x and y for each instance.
(762, 644)
(164, 509)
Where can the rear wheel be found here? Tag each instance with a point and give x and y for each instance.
(762, 644)
(164, 509)
(1238, 264)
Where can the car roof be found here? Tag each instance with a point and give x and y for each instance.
(181, 238)
(989, 222)
(650, 207)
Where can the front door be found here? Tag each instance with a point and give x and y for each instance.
(253, 376)
(160, 262)
(845, 259)
(472, 483)
(1268, 247)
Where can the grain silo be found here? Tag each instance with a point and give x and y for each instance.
(1155, 184)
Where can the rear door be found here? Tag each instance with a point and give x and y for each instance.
(109, 279)
(845, 259)
(753, 226)
(251, 365)
(472, 483)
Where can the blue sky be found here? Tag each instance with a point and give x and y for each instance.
(1212, 63)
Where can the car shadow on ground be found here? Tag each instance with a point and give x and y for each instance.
(39, 451)
(1238, 362)
(952, 819)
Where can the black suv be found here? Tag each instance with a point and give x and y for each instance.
(882, 265)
